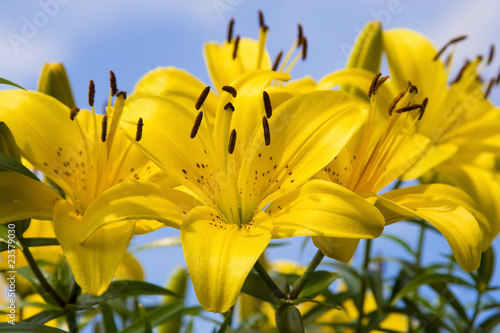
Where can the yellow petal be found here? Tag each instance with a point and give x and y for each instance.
(22, 197)
(223, 69)
(146, 226)
(432, 156)
(176, 84)
(219, 256)
(321, 208)
(95, 261)
(341, 249)
(448, 209)
(129, 269)
(134, 200)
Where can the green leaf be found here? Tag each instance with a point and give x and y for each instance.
(27, 273)
(8, 144)
(155, 317)
(426, 279)
(486, 269)
(177, 283)
(31, 242)
(288, 319)
(10, 83)
(9, 163)
(375, 282)
(349, 275)
(8, 237)
(108, 318)
(490, 323)
(24, 327)
(255, 286)
(400, 242)
(160, 243)
(45, 316)
(124, 288)
(318, 283)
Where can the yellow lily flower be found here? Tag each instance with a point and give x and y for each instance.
(460, 122)
(100, 172)
(251, 173)
(379, 155)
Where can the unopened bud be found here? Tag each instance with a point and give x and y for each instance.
(54, 82)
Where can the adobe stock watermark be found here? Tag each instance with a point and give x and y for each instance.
(31, 25)
(222, 7)
(11, 275)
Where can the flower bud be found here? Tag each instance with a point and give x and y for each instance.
(54, 82)
(8, 144)
(288, 319)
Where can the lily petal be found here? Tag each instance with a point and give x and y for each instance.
(95, 261)
(220, 256)
(22, 197)
(321, 208)
(446, 208)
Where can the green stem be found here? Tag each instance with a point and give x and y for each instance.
(476, 310)
(268, 280)
(41, 279)
(420, 244)
(366, 261)
(301, 282)
(71, 319)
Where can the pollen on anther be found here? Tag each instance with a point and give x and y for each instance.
(138, 134)
(122, 94)
(267, 104)
(277, 61)
(197, 123)
(202, 98)
(230, 30)
(374, 84)
(394, 102)
(236, 43)
(232, 141)
(104, 128)
(229, 90)
(422, 109)
(262, 23)
(267, 134)
(112, 83)
(74, 111)
(230, 106)
(91, 92)
(304, 48)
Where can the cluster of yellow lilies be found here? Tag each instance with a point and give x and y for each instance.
(260, 155)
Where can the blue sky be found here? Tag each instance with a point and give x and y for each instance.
(132, 37)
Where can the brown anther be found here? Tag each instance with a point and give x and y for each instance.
(202, 98)
(395, 101)
(277, 61)
(232, 141)
(112, 83)
(300, 35)
(91, 92)
(461, 72)
(262, 23)
(267, 104)
(122, 94)
(490, 86)
(230, 31)
(104, 128)
(374, 84)
(422, 109)
(267, 134)
(197, 123)
(74, 111)
(138, 134)
(236, 43)
(453, 41)
(492, 54)
(379, 83)
(230, 106)
(304, 48)
(409, 108)
(229, 90)
(412, 89)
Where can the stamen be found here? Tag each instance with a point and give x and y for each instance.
(236, 43)
(138, 134)
(122, 94)
(229, 105)
(262, 24)
(197, 123)
(232, 141)
(300, 35)
(409, 108)
(230, 31)
(304, 48)
(202, 98)
(491, 55)
(379, 83)
(422, 109)
(490, 86)
(394, 102)
(104, 128)
(374, 84)
(267, 134)
(91, 92)
(453, 41)
(412, 89)
(462, 70)
(267, 104)
(277, 61)
(112, 83)
(74, 111)
(230, 90)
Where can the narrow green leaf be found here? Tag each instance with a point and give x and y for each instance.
(318, 283)
(24, 327)
(155, 317)
(108, 318)
(255, 286)
(349, 275)
(27, 273)
(9, 163)
(124, 288)
(45, 316)
(426, 279)
(400, 242)
(375, 282)
(8, 237)
(31, 242)
(486, 269)
(10, 83)
(490, 323)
